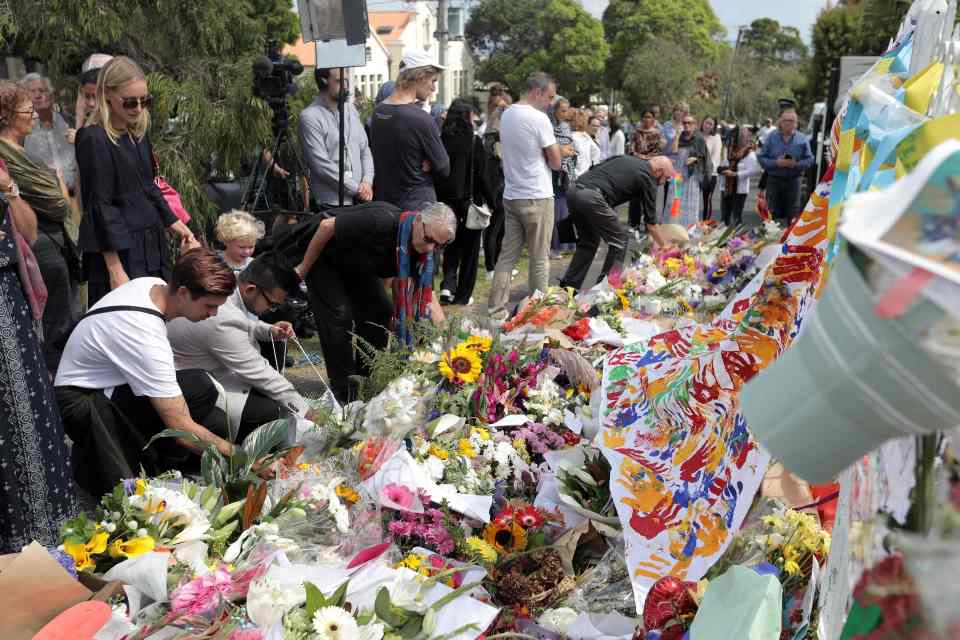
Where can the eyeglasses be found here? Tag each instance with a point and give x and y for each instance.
(30, 112)
(428, 239)
(145, 102)
(688, 122)
(273, 304)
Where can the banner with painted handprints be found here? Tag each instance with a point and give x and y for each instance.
(685, 468)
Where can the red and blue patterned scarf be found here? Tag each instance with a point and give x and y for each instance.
(413, 286)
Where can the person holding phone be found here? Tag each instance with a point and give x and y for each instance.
(785, 156)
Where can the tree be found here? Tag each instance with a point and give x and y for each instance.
(836, 33)
(197, 56)
(513, 38)
(769, 41)
(879, 21)
(632, 25)
(645, 83)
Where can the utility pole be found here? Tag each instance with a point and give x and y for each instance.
(733, 61)
(443, 36)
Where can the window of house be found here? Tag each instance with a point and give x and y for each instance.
(369, 54)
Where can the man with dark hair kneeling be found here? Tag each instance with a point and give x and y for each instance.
(117, 386)
(227, 347)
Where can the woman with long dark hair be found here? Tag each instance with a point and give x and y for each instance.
(457, 191)
(125, 215)
(691, 161)
(742, 164)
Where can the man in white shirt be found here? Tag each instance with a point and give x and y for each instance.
(227, 347)
(765, 131)
(117, 385)
(530, 151)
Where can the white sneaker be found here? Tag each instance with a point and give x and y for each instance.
(471, 301)
(446, 297)
(490, 275)
(515, 273)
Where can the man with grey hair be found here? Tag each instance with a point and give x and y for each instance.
(50, 143)
(530, 151)
(344, 260)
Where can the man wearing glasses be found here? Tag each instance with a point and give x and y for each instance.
(227, 347)
(344, 260)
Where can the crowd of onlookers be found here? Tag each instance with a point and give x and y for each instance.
(424, 191)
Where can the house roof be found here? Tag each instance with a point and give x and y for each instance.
(389, 25)
(305, 52)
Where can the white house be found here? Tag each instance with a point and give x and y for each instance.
(392, 33)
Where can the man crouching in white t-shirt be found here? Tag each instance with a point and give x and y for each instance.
(117, 385)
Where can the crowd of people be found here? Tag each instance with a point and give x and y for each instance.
(180, 345)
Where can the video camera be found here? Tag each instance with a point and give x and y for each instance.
(273, 76)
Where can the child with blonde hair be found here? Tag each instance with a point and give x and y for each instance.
(239, 232)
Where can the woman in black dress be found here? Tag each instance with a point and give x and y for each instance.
(36, 494)
(457, 191)
(125, 215)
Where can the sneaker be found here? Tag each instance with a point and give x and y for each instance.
(515, 273)
(446, 297)
(471, 301)
(490, 275)
(556, 255)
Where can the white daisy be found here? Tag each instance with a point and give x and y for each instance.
(334, 623)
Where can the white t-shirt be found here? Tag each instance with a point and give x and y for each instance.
(524, 133)
(122, 347)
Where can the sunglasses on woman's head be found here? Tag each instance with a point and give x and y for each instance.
(145, 102)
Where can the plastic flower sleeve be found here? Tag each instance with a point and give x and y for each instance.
(606, 588)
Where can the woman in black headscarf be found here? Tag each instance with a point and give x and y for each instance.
(457, 191)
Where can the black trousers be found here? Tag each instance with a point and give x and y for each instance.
(259, 409)
(731, 207)
(783, 198)
(493, 236)
(707, 189)
(461, 257)
(345, 304)
(595, 220)
(62, 310)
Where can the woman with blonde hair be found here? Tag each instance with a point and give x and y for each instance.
(239, 232)
(125, 215)
(586, 148)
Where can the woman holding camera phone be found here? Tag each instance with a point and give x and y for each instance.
(125, 215)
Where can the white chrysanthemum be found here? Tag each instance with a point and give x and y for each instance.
(558, 620)
(434, 467)
(334, 623)
(654, 281)
(396, 410)
(372, 631)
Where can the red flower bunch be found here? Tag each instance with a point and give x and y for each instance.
(579, 330)
(527, 516)
(889, 586)
(670, 606)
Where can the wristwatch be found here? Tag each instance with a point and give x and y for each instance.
(13, 191)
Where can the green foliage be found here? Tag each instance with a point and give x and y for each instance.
(514, 38)
(767, 40)
(879, 21)
(646, 81)
(836, 33)
(197, 56)
(635, 26)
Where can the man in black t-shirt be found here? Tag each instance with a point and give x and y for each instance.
(405, 140)
(592, 201)
(344, 266)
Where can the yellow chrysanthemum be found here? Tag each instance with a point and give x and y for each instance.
(478, 343)
(481, 549)
(791, 567)
(438, 452)
(460, 365)
(131, 548)
(624, 302)
(484, 434)
(466, 449)
(347, 494)
(412, 562)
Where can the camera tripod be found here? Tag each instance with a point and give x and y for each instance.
(295, 200)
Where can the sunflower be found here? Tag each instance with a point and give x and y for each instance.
(477, 343)
(505, 538)
(460, 365)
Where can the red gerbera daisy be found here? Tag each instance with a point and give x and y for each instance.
(530, 518)
(505, 516)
